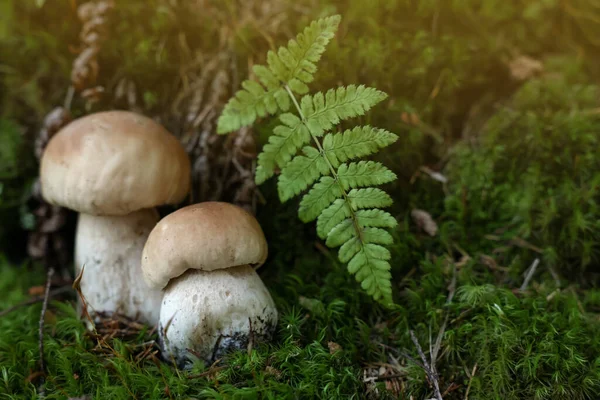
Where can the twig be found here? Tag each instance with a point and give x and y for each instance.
(438, 342)
(470, 381)
(212, 369)
(411, 359)
(431, 374)
(555, 276)
(84, 306)
(69, 97)
(41, 325)
(530, 272)
(34, 300)
(517, 241)
(452, 286)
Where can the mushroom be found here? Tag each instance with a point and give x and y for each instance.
(113, 168)
(214, 301)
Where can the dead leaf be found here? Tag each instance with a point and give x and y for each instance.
(334, 347)
(36, 290)
(273, 372)
(525, 67)
(424, 221)
(437, 176)
(410, 118)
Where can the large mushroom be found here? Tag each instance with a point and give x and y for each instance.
(113, 168)
(214, 301)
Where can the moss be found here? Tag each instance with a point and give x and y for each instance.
(16, 175)
(522, 168)
(524, 345)
(533, 174)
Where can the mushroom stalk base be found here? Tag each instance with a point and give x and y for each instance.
(214, 312)
(110, 249)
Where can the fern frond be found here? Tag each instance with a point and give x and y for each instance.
(355, 143)
(322, 194)
(340, 191)
(372, 269)
(296, 63)
(341, 233)
(340, 209)
(322, 112)
(364, 173)
(293, 66)
(375, 218)
(366, 257)
(369, 198)
(247, 106)
(377, 235)
(332, 216)
(301, 172)
(349, 249)
(346, 229)
(283, 144)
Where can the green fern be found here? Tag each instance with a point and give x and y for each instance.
(341, 193)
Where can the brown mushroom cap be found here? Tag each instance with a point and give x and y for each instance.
(205, 236)
(114, 163)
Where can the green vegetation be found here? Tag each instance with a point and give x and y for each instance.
(347, 208)
(517, 150)
(534, 174)
(16, 167)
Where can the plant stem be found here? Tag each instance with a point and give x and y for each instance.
(49, 275)
(331, 168)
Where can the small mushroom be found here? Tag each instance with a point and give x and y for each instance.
(113, 168)
(214, 301)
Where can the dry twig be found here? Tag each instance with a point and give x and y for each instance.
(429, 369)
(470, 382)
(529, 274)
(41, 327)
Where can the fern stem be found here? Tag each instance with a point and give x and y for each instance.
(330, 165)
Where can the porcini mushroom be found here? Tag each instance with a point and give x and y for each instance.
(113, 168)
(214, 301)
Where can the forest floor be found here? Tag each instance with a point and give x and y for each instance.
(496, 261)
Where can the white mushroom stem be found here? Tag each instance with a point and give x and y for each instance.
(110, 248)
(213, 312)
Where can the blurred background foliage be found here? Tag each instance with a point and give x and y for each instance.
(497, 107)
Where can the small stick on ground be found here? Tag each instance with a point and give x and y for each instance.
(555, 276)
(530, 272)
(41, 325)
(438, 343)
(431, 374)
(470, 381)
(452, 286)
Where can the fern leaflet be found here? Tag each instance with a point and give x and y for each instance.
(322, 112)
(364, 173)
(340, 209)
(342, 103)
(301, 172)
(340, 192)
(358, 142)
(291, 66)
(285, 142)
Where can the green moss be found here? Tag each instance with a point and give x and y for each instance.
(534, 173)
(523, 345)
(524, 173)
(16, 176)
